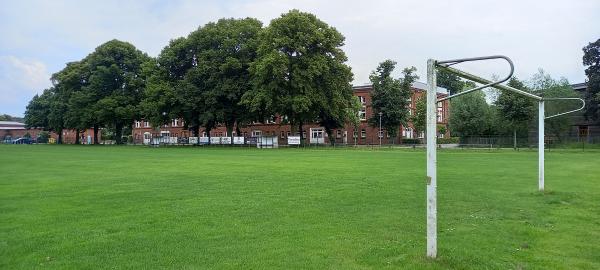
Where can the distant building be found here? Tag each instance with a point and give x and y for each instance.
(583, 128)
(10, 130)
(313, 133)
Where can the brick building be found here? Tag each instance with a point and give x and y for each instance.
(10, 130)
(364, 134)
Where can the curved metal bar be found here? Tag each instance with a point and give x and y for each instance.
(447, 63)
(567, 112)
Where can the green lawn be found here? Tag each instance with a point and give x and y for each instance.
(78, 207)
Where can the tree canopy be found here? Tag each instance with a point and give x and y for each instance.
(591, 59)
(300, 73)
(391, 97)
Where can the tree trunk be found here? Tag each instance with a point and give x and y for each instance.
(238, 132)
(118, 133)
(95, 134)
(60, 137)
(331, 141)
(301, 133)
(515, 139)
(208, 133)
(77, 136)
(196, 131)
(229, 128)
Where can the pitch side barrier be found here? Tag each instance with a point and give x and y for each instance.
(432, 101)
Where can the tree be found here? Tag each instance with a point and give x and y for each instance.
(70, 83)
(36, 112)
(116, 81)
(46, 111)
(450, 81)
(419, 118)
(224, 52)
(515, 109)
(470, 115)
(544, 85)
(391, 97)
(591, 59)
(300, 70)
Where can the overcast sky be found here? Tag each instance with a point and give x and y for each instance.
(37, 38)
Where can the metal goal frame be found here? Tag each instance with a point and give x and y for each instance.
(432, 100)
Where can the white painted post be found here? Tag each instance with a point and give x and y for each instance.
(431, 160)
(541, 145)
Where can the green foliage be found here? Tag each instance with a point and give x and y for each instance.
(441, 129)
(300, 73)
(43, 137)
(36, 112)
(116, 81)
(450, 81)
(419, 118)
(411, 141)
(470, 115)
(514, 109)
(544, 85)
(6, 117)
(391, 97)
(591, 59)
(451, 140)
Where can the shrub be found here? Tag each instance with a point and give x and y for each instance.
(411, 141)
(448, 140)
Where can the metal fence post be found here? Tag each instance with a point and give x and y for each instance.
(431, 160)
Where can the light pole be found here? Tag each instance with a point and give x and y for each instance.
(380, 114)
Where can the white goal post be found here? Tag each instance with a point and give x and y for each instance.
(432, 100)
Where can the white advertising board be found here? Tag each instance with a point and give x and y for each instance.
(203, 140)
(193, 140)
(225, 140)
(173, 140)
(215, 140)
(293, 140)
(238, 140)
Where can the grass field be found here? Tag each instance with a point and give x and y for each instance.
(77, 207)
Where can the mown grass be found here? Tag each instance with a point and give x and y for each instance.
(77, 207)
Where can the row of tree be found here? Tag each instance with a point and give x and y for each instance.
(506, 113)
(230, 73)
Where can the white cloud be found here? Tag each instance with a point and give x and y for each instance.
(20, 80)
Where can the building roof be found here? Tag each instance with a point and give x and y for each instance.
(12, 124)
(417, 85)
(579, 86)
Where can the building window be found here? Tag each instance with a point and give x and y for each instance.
(362, 114)
(175, 122)
(138, 124)
(256, 133)
(362, 100)
(288, 134)
(380, 134)
(146, 124)
(440, 113)
(338, 134)
(303, 134)
(388, 134)
(355, 134)
(407, 133)
(363, 133)
(421, 135)
(245, 134)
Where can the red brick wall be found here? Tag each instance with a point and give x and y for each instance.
(277, 129)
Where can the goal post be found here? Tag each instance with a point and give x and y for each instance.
(431, 137)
